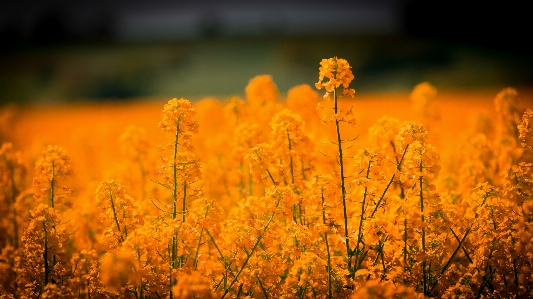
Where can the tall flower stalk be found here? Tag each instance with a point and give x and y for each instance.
(43, 238)
(338, 72)
(182, 169)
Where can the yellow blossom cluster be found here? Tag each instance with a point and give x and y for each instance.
(338, 72)
(51, 166)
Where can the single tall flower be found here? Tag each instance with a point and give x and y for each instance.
(52, 164)
(339, 72)
(179, 118)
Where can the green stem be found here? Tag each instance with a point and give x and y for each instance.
(327, 246)
(121, 239)
(241, 181)
(198, 249)
(383, 261)
(271, 177)
(45, 256)
(405, 245)
(174, 208)
(486, 281)
(182, 258)
(290, 157)
(343, 187)
(423, 232)
(303, 290)
(249, 255)
(358, 265)
(220, 252)
(52, 187)
(171, 268)
(297, 206)
(238, 292)
(175, 183)
(376, 259)
(463, 248)
(398, 167)
(303, 168)
(262, 287)
(448, 263)
(183, 208)
(359, 233)
(141, 282)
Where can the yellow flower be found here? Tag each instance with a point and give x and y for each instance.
(179, 116)
(338, 71)
(261, 90)
(52, 164)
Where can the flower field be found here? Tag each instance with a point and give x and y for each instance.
(321, 193)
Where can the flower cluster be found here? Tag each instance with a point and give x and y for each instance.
(338, 72)
(51, 166)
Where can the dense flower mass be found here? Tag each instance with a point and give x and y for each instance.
(275, 199)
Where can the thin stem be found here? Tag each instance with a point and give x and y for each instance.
(292, 180)
(45, 256)
(303, 168)
(226, 266)
(271, 177)
(423, 232)
(358, 265)
(198, 249)
(121, 238)
(398, 167)
(171, 268)
(380, 253)
(174, 208)
(359, 233)
(327, 245)
(262, 287)
(141, 282)
(249, 255)
(464, 249)
(290, 157)
(242, 184)
(52, 187)
(343, 187)
(449, 262)
(302, 292)
(238, 292)
(175, 183)
(405, 243)
(383, 261)
(183, 208)
(485, 282)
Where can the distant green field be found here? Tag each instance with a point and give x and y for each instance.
(220, 68)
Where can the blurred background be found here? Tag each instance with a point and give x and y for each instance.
(101, 50)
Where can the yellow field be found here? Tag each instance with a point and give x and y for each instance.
(244, 198)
